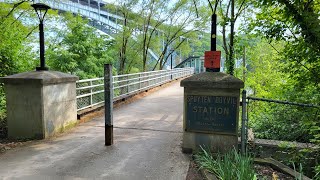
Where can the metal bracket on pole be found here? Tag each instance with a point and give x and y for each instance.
(108, 99)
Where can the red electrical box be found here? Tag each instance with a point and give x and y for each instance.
(212, 59)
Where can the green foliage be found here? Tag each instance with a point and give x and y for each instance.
(126, 48)
(188, 27)
(317, 170)
(297, 23)
(305, 159)
(199, 47)
(82, 51)
(266, 78)
(281, 122)
(272, 74)
(231, 165)
(298, 177)
(2, 103)
(289, 72)
(161, 29)
(15, 47)
(15, 51)
(229, 12)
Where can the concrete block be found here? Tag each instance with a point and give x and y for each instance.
(40, 103)
(215, 142)
(203, 124)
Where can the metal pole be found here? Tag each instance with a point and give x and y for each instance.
(243, 124)
(139, 81)
(42, 49)
(213, 46)
(247, 120)
(213, 32)
(91, 98)
(128, 82)
(108, 99)
(199, 65)
(171, 66)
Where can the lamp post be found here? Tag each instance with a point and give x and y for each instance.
(41, 10)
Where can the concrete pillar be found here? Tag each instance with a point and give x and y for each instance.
(211, 111)
(40, 103)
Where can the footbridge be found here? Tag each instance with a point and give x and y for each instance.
(90, 92)
(147, 136)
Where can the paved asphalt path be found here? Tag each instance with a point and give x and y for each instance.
(147, 137)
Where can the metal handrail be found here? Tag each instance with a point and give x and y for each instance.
(137, 77)
(166, 75)
(282, 102)
(87, 80)
(91, 91)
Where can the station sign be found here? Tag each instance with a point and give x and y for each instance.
(211, 114)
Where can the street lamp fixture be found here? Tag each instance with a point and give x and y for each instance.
(41, 10)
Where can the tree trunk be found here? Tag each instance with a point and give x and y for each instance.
(123, 50)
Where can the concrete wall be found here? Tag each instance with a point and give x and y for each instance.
(24, 111)
(60, 107)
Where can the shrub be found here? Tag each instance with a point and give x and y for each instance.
(231, 165)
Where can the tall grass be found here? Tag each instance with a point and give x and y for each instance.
(229, 166)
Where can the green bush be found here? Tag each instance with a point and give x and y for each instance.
(3, 122)
(2, 103)
(231, 165)
(281, 122)
(317, 170)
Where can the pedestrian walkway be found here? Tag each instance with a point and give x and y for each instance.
(147, 145)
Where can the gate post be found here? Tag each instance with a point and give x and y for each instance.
(108, 100)
(211, 112)
(243, 123)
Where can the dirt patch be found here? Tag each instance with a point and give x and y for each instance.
(268, 173)
(3, 128)
(194, 172)
(6, 144)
